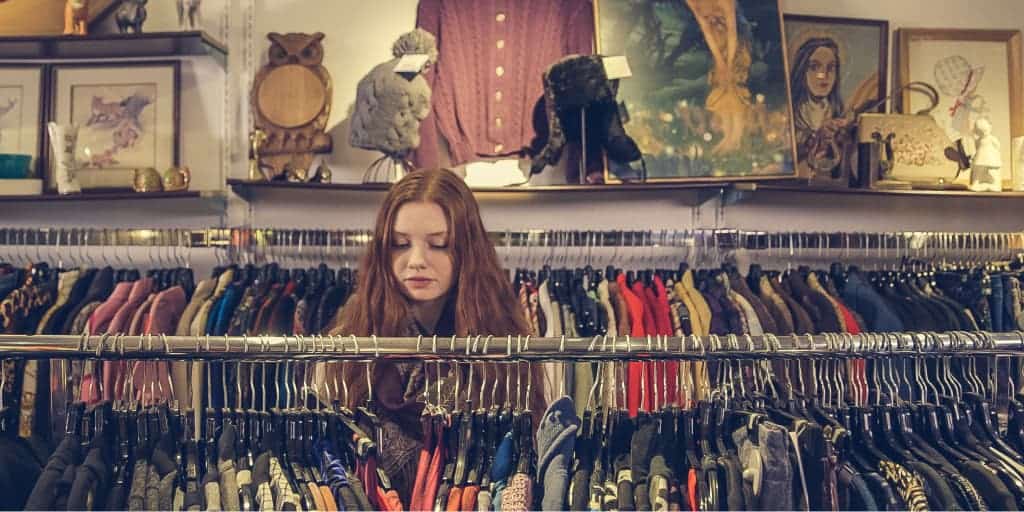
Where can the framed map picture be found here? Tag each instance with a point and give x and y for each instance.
(708, 98)
(127, 116)
(22, 103)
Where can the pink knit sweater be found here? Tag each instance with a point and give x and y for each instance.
(488, 77)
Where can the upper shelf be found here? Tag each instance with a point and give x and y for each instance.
(248, 189)
(113, 46)
(804, 189)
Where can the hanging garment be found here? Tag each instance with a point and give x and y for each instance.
(556, 440)
(505, 48)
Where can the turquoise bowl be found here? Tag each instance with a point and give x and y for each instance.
(15, 167)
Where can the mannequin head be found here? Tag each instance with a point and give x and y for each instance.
(429, 249)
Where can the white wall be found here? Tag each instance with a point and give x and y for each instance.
(359, 35)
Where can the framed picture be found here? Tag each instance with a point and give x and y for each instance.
(977, 74)
(708, 98)
(22, 106)
(127, 116)
(837, 70)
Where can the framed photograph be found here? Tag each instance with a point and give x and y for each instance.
(708, 98)
(837, 70)
(127, 116)
(22, 107)
(977, 74)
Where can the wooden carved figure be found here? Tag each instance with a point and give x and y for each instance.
(76, 17)
(291, 102)
(130, 15)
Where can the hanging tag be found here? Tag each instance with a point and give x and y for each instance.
(411, 63)
(616, 67)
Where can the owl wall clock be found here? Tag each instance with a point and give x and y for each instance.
(291, 102)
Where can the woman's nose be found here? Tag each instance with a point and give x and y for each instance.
(821, 75)
(417, 258)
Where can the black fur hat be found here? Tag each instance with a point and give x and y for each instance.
(572, 84)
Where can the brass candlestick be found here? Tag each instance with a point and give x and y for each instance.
(256, 139)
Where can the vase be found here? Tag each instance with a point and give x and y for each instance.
(63, 140)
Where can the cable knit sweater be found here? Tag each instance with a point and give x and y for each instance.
(487, 80)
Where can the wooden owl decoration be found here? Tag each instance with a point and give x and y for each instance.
(291, 102)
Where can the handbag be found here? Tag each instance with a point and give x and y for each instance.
(903, 151)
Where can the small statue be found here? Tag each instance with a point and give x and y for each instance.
(131, 15)
(177, 178)
(64, 141)
(987, 162)
(256, 139)
(188, 14)
(76, 17)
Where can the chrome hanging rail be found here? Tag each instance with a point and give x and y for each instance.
(732, 239)
(496, 348)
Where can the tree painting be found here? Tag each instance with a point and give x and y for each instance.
(708, 95)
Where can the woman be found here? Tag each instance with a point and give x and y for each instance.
(430, 269)
(819, 112)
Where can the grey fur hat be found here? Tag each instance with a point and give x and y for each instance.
(390, 106)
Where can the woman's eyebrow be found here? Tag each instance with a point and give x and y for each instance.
(437, 233)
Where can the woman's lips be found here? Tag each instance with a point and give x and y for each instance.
(418, 282)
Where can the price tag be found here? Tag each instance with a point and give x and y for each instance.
(412, 63)
(617, 67)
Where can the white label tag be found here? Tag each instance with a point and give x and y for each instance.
(617, 67)
(412, 63)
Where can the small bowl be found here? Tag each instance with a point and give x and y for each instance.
(15, 166)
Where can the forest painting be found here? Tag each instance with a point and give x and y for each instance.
(708, 97)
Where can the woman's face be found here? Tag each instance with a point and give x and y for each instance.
(420, 257)
(821, 73)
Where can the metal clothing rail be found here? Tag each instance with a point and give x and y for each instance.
(508, 348)
(243, 238)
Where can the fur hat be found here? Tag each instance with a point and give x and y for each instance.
(574, 83)
(390, 106)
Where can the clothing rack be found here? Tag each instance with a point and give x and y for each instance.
(492, 348)
(732, 239)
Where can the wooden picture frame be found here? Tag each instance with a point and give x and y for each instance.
(746, 132)
(129, 117)
(978, 74)
(826, 147)
(23, 102)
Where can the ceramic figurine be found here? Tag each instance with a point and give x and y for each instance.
(188, 14)
(63, 140)
(76, 17)
(131, 15)
(987, 162)
(177, 178)
(146, 180)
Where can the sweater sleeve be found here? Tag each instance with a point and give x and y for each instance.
(579, 36)
(428, 154)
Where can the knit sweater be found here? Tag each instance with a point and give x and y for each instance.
(487, 81)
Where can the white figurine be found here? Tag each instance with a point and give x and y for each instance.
(188, 14)
(987, 162)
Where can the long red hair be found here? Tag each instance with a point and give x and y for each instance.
(484, 302)
(482, 295)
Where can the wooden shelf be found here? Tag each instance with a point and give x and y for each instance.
(802, 189)
(247, 188)
(102, 196)
(113, 46)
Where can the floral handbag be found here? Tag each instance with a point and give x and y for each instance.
(903, 151)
